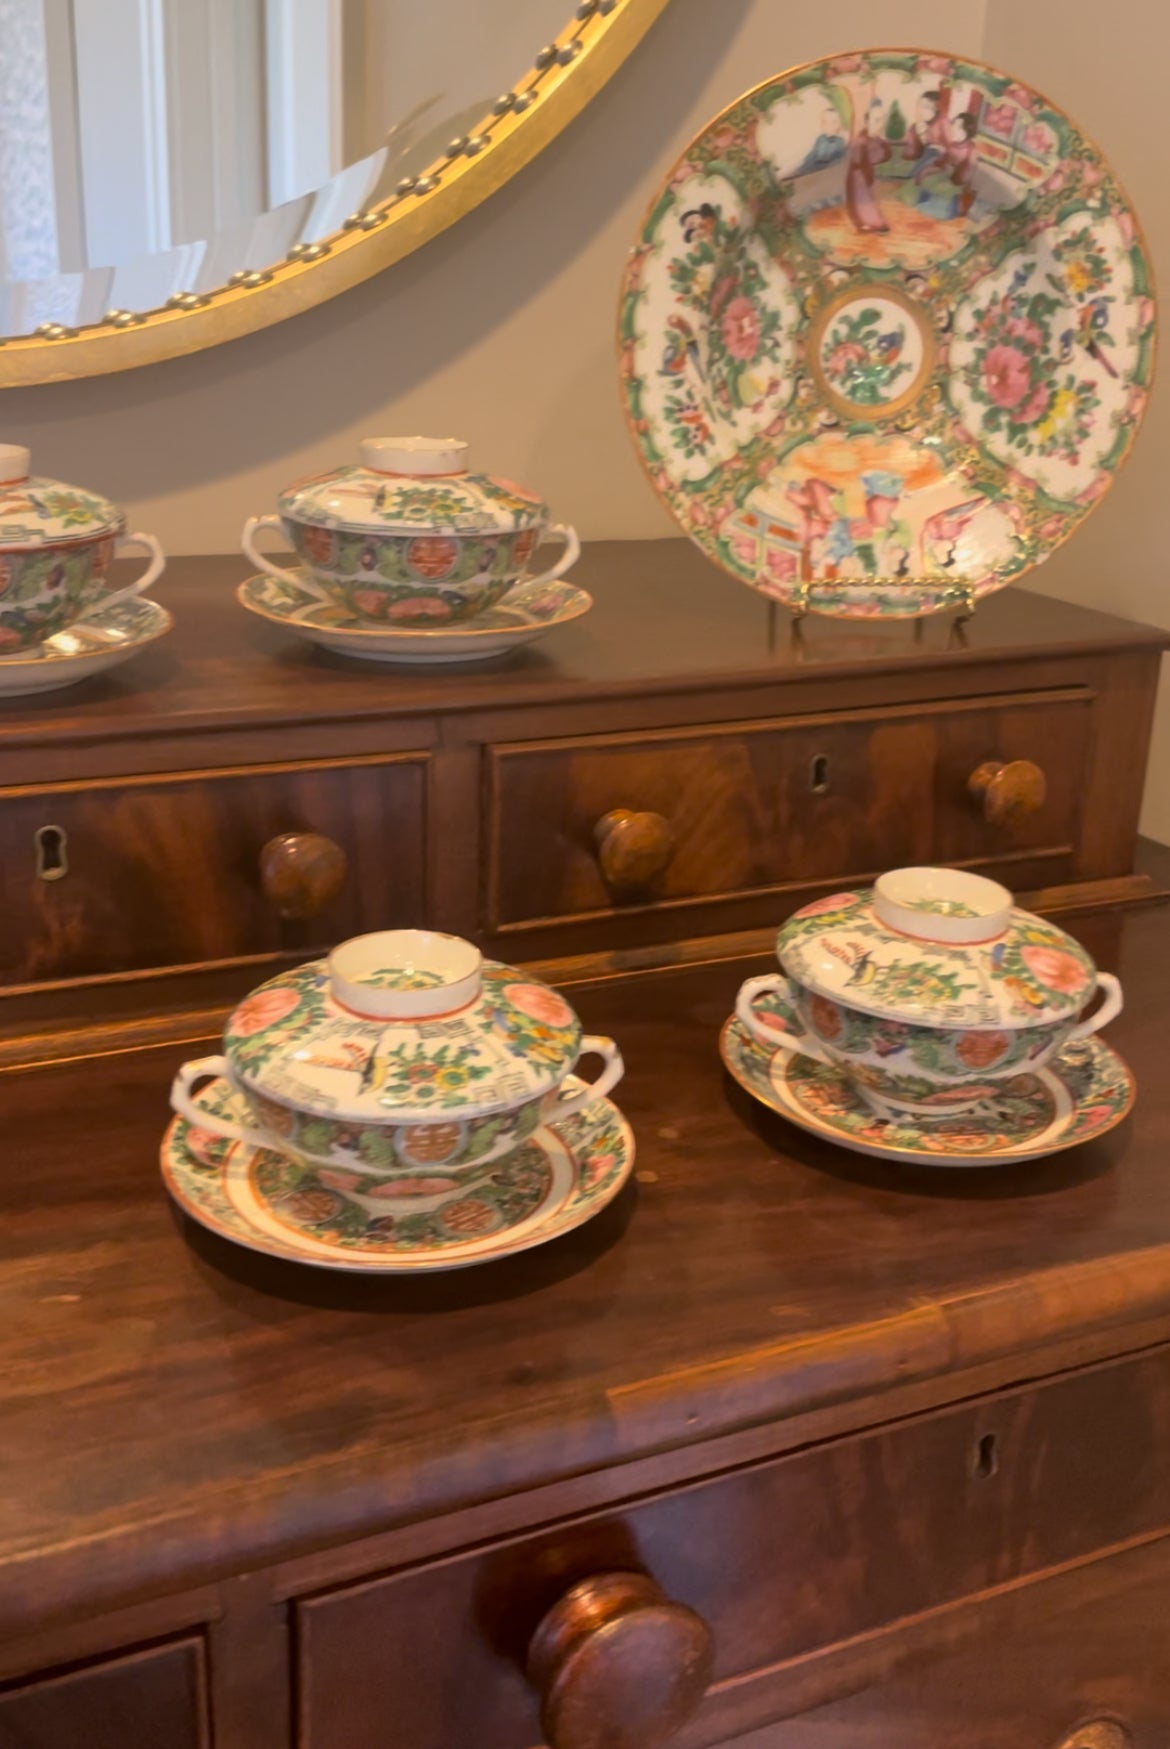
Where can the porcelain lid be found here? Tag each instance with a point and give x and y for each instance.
(937, 947)
(412, 485)
(35, 512)
(402, 1025)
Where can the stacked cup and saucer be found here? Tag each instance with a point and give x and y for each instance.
(400, 1107)
(930, 1021)
(61, 621)
(409, 556)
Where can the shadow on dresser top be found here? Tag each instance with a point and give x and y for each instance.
(666, 619)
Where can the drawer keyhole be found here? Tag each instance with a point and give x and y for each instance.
(818, 775)
(52, 862)
(987, 1457)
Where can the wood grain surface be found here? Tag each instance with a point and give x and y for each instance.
(175, 1409)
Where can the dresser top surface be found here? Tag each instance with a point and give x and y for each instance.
(174, 1407)
(665, 619)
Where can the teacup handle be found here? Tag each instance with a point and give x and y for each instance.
(152, 573)
(608, 1079)
(304, 578)
(182, 1088)
(797, 1044)
(572, 552)
(1109, 1009)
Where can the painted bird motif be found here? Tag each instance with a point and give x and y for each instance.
(890, 345)
(680, 350)
(1092, 320)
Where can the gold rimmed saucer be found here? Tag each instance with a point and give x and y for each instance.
(90, 646)
(526, 613)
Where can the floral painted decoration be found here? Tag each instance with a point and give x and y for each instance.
(1033, 974)
(359, 500)
(292, 1043)
(887, 334)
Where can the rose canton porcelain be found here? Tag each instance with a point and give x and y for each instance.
(56, 545)
(525, 613)
(928, 993)
(887, 335)
(410, 537)
(106, 638)
(338, 1218)
(404, 1051)
(1086, 1091)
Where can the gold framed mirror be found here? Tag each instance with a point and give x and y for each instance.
(163, 186)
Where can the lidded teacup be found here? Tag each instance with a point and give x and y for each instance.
(930, 992)
(409, 535)
(56, 546)
(404, 1053)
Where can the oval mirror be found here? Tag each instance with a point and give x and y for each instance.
(174, 173)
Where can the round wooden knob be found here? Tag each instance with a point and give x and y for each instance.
(1008, 793)
(302, 873)
(632, 848)
(1098, 1734)
(618, 1665)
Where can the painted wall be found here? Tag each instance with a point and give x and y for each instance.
(502, 330)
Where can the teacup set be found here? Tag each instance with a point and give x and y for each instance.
(410, 557)
(404, 1105)
(930, 1020)
(61, 619)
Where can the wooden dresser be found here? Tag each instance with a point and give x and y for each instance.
(894, 1443)
(680, 764)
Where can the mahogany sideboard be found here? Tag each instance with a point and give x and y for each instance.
(888, 1447)
(683, 763)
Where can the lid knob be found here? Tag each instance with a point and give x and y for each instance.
(14, 463)
(414, 455)
(404, 974)
(942, 904)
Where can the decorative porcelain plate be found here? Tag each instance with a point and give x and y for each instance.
(85, 648)
(526, 613)
(888, 333)
(1086, 1092)
(412, 1223)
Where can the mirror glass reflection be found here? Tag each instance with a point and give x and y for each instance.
(155, 147)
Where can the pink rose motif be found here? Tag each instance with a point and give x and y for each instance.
(1006, 375)
(722, 139)
(1021, 95)
(420, 607)
(202, 1144)
(1125, 226)
(264, 1008)
(538, 1002)
(769, 1022)
(1092, 174)
(599, 1167)
(1093, 1114)
(1037, 138)
(1035, 406)
(834, 902)
(841, 64)
(1054, 183)
(743, 548)
(1055, 969)
(1027, 332)
(741, 329)
(371, 602)
(1051, 528)
(842, 356)
(1147, 310)
(929, 64)
(1000, 119)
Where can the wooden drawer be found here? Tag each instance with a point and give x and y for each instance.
(781, 1560)
(150, 1700)
(759, 808)
(164, 871)
(1076, 1662)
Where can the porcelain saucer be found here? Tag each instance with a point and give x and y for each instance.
(526, 613)
(1086, 1091)
(88, 647)
(560, 1178)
